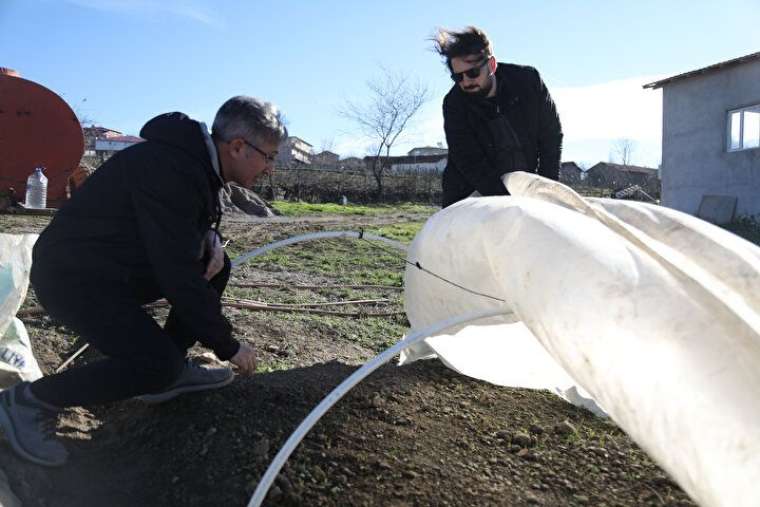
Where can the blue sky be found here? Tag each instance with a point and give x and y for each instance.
(120, 62)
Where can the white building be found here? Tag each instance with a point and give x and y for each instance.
(294, 151)
(107, 146)
(711, 137)
(116, 143)
(422, 163)
(93, 133)
(428, 150)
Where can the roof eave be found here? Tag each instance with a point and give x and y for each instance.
(704, 70)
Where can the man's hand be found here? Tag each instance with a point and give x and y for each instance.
(245, 359)
(215, 255)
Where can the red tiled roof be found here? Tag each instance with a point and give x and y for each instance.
(100, 131)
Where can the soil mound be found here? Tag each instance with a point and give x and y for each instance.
(236, 199)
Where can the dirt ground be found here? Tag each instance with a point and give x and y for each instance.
(417, 435)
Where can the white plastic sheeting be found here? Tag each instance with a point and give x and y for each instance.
(16, 359)
(653, 312)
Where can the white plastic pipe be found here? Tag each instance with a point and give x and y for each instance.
(336, 394)
(312, 236)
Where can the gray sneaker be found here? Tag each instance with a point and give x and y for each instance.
(193, 378)
(29, 426)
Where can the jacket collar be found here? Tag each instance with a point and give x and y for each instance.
(212, 152)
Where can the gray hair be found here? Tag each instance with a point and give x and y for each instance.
(249, 118)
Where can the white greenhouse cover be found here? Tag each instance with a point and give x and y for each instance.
(650, 313)
(16, 359)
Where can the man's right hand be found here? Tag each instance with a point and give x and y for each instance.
(245, 359)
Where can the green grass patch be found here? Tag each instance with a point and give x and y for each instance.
(350, 261)
(293, 209)
(404, 232)
(374, 333)
(272, 366)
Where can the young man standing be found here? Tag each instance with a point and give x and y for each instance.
(498, 118)
(142, 227)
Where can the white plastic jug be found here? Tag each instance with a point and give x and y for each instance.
(36, 189)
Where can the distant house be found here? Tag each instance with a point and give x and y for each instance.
(92, 133)
(618, 176)
(107, 146)
(294, 151)
(428, 150)
(570, 173)
(325, 159)
(711, 135)
(422, 163)
(116, 143)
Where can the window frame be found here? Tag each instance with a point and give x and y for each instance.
(754, 108)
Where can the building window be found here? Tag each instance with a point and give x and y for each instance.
(744, 128)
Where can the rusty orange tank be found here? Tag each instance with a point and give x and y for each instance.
(37, 128)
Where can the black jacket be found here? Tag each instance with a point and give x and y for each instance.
(517, 130)
(139, 221)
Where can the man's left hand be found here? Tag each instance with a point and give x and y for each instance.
(215, 254)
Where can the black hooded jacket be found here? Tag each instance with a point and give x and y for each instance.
(140, 220)
(517, 130)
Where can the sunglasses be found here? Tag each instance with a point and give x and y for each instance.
(269, 158)
(471, 73)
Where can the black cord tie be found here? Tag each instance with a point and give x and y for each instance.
(417, 265)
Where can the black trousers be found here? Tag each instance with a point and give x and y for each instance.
(141, 357)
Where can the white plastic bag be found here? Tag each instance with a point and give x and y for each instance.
(16, 359)
(17, 362)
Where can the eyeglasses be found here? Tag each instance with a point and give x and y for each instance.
(471, 73)
(269, 158)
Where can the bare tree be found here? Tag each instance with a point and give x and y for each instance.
(622, 151)
(83, 117)
(384, 117)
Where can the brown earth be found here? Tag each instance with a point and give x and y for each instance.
(416, 435)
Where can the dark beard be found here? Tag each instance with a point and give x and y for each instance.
(483, 92)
